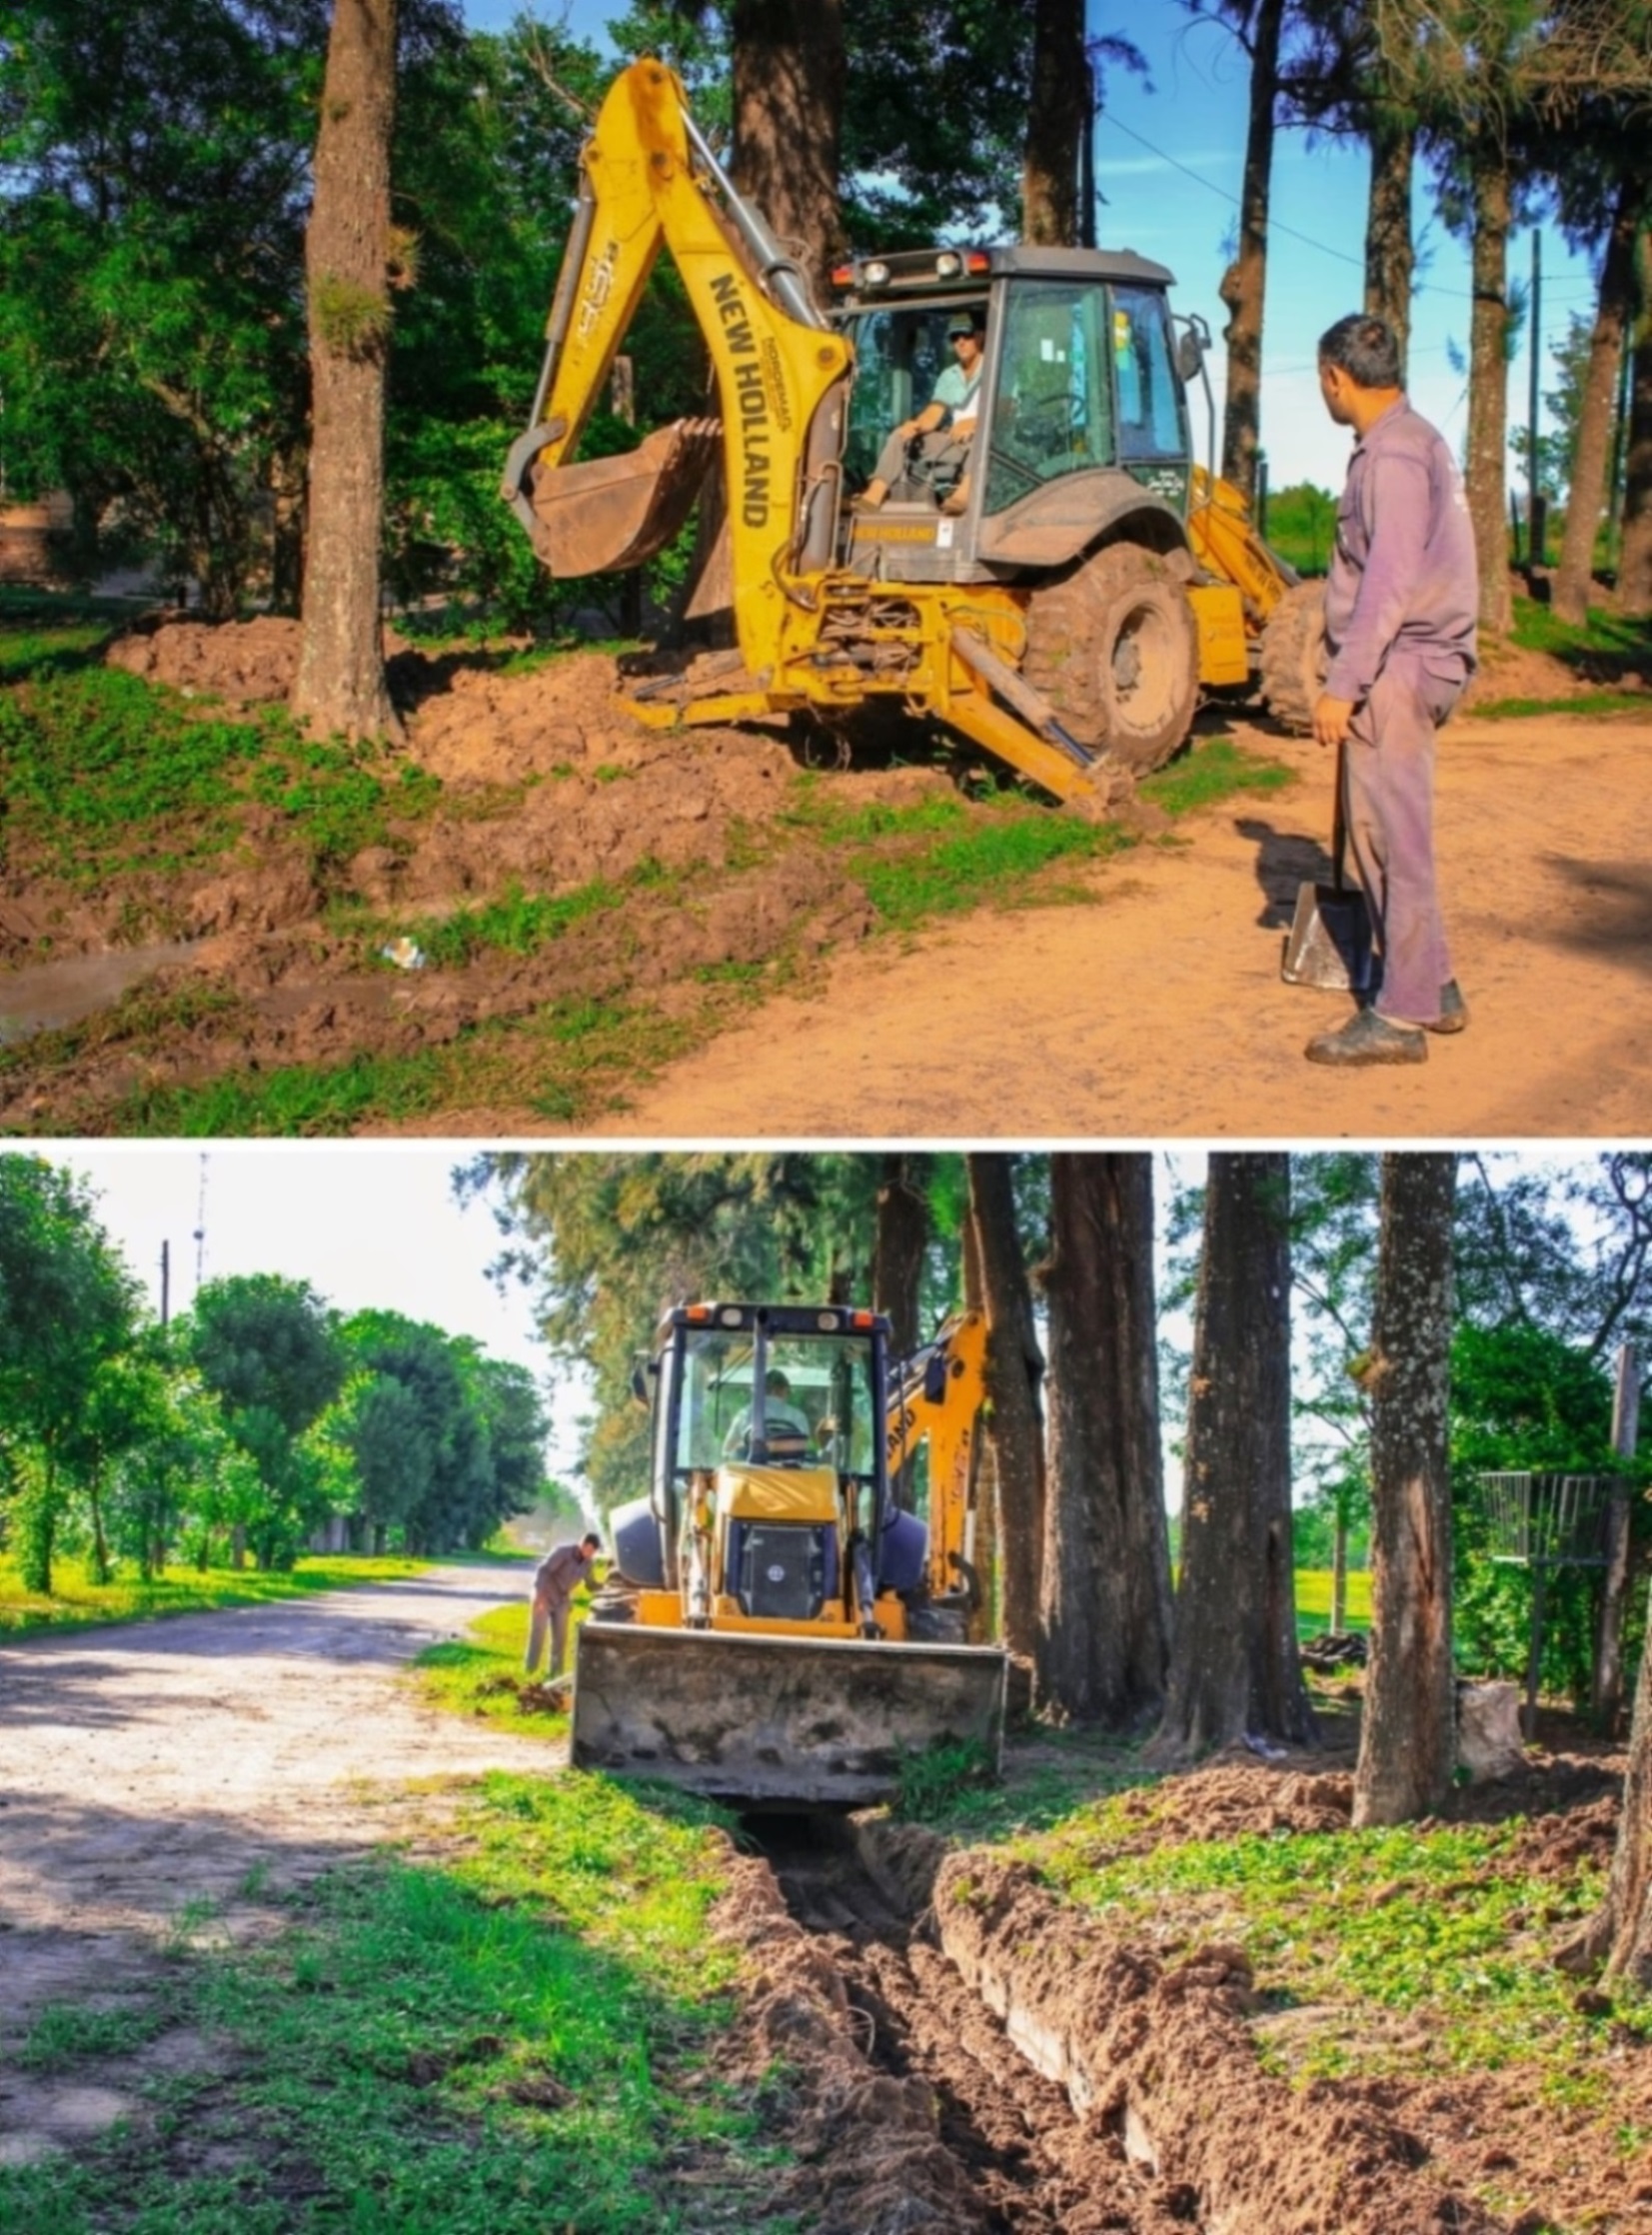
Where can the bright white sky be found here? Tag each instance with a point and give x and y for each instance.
(1195, 118)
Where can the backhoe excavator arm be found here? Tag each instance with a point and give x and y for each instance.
(649, 181)
(938, 1395)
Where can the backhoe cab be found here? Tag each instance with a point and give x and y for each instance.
(779, 1630)
(1064, 613)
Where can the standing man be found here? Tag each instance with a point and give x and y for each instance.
(556, 1579)
(1400, 610)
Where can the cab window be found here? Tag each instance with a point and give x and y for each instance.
(1053, 411)
(1151, 423)
(900, 354)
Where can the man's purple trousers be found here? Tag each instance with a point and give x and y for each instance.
(1389, 806)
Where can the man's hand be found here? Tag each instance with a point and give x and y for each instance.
(1332, 718)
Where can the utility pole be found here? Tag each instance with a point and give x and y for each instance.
(200, 1234)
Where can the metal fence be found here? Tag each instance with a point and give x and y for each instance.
(1548, 1520)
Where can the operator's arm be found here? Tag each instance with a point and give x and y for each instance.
(1395, 503)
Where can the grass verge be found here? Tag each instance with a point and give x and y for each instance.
(523, 2037)
(76, 1602)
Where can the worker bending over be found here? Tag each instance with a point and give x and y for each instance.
(556, 1579)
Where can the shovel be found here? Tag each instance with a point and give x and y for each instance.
(1331, 938)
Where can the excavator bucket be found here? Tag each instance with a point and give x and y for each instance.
(769, 1721)
(615, 513)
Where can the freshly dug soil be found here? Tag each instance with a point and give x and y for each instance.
(1172, 954)
(214, 1760)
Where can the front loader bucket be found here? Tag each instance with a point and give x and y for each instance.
(617, 512)
(775, 1721)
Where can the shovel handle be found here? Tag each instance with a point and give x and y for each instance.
(1339, 820)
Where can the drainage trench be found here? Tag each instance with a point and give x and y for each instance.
(1033, 2164)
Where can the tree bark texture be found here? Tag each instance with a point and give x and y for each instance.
(1408, 1744)
(1628, 1912)
(339, 684)
(1607, 1699)
(1105, 1605)
(1058, 118)
(788, 110)
(1390, 255)
(1244, 284)
(1234, 1667)
(1587, 493)
(898, 1252)
(1635, 557)
(1488, 392)
(1014, 1371)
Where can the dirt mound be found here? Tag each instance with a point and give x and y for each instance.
(1228, 1798)
(247, 663)
(868, 2159)
(1162, 2055)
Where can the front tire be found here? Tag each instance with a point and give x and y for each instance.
(1294, 657)
(1114, 648)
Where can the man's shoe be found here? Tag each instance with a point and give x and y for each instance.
(1453, 1016)
(1368, 1039)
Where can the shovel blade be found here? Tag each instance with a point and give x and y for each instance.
(1329, 944)
(615, 513)
(776, 1721)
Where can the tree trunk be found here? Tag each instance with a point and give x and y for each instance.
(1339, 1570)
(1635, 558)
(1104, 1605)
(1488, 392)
(1587, 493)
(1245, 281)
(1014, 1370)
(1389, 253)
(987, 1615)
(1407, 1741)
(1234, 1666)
(100, 1535)
(789, 113)
(898, 1252)
(1607, 1697)
(340, 686)
(1058, 118)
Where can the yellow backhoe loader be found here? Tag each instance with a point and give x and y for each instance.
(1062, 602)
(780, 1629)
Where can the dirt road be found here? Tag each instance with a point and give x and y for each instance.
(1160, 1012)
(156, 1774)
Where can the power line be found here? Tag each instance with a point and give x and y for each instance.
(1457, 294)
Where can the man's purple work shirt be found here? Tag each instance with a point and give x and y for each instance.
(1403, 575)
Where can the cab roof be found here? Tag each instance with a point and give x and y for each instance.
(944, 272)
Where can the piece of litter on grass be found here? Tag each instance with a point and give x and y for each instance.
(406, 953)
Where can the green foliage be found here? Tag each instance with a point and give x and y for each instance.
(1301, 525)
(932, 1781)
(353, 321)
(517, 923)
(1211, 769)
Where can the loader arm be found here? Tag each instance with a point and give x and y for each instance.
(939, 1398)
(650, 182)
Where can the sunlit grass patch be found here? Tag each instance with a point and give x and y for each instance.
(1213, 769)
(1583, 702)
(518, 923)
(523, 2038)
(1314, 1599)
(1437, 1923)
(76, 1601)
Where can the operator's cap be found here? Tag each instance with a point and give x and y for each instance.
(965, 322)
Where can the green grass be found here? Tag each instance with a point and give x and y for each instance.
(1538, 628)
(1438, 1925)
(1584, 702)
(518, 923)
(1313, 1600)
(523, 2038)
(480, 1673)
(1212, 771)
(76, 1602)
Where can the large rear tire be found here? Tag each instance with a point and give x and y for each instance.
(1293, 656)
(1114, 648)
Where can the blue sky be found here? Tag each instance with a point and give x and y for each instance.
(1192, 121)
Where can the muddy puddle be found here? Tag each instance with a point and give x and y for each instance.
(44, 997)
